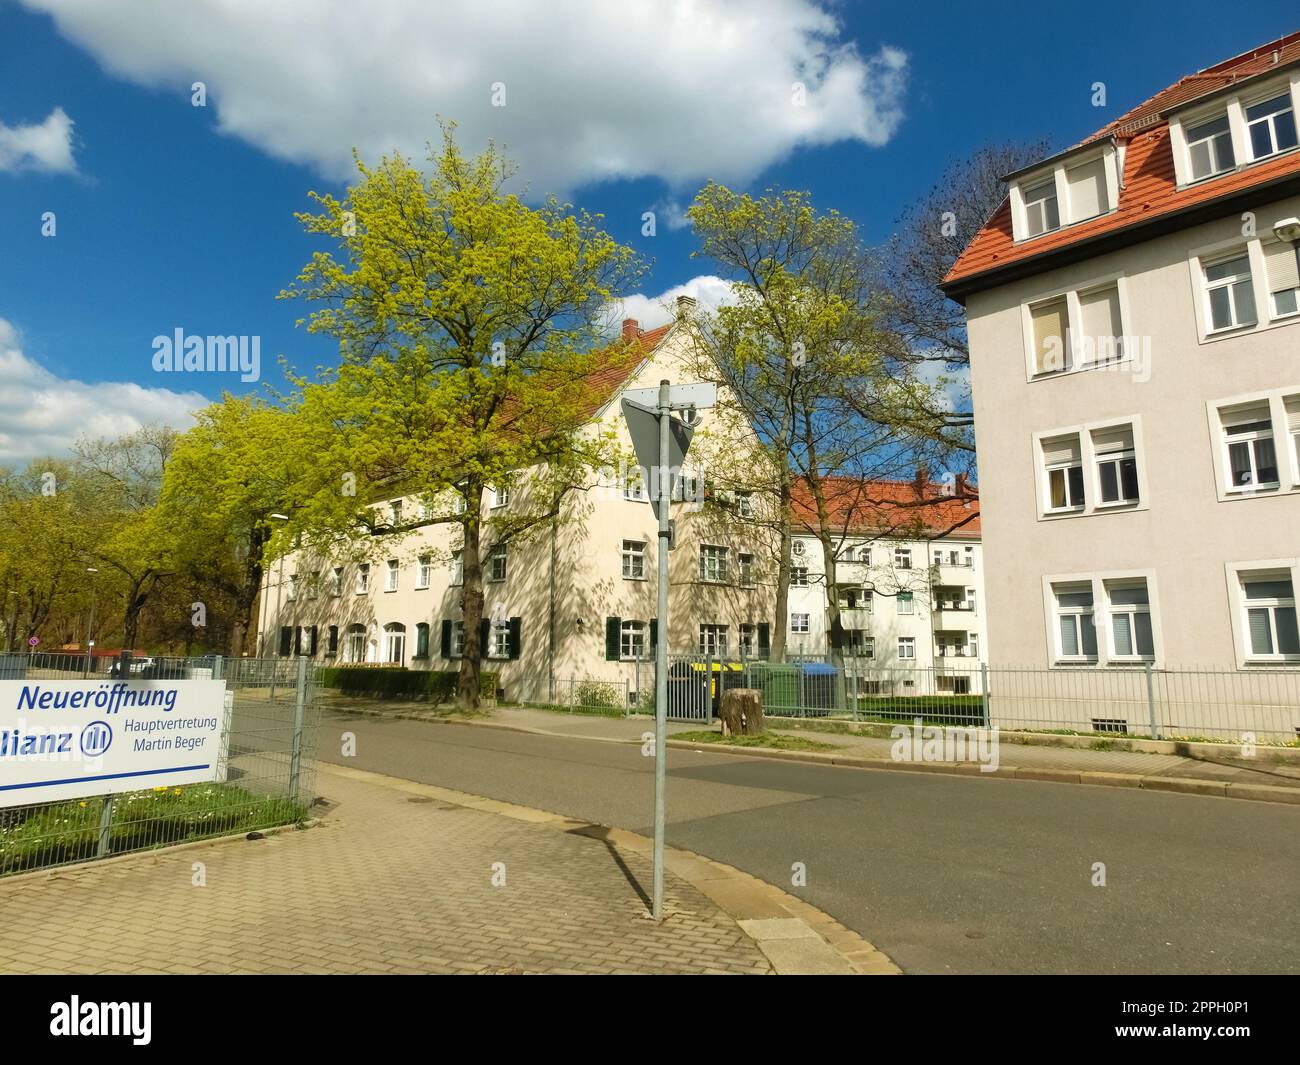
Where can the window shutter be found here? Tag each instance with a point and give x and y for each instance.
(446, 639)
(484, 632)
(1062, 449)
(1282, 263)
(1099, 321)
(286, 641)
(613, 627)
(1088, 194)
(334, 639)
(764, 639)
(313, 633)
(1050, 321)
(297, 640)
(1112, 440)
(422, 640)
(516, 625)
(654, 632)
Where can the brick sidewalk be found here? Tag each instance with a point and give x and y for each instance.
(392, 881)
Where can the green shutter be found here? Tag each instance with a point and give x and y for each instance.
(654, 632)
(446, 639)
(286, 641)
(484, 628)
(613, 630)
(516, 625)
(764, 639)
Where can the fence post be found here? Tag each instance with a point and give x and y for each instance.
(1151, 702)
(295, 757)
(217, 673)
(984, 692)
(105, 823)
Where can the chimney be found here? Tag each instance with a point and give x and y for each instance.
(685, 304)
(631, 328)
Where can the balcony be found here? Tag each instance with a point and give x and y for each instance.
(856, 618)
(955, 614)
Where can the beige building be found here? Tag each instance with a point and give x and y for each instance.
(574, 603)
(1134, 323)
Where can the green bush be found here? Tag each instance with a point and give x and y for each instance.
(597, 693)
(395, 682)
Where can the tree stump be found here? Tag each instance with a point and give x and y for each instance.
(741, 711)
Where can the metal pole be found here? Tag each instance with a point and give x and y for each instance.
(295, 757)
(661, 653)
(1151, 703)
(105, 822)
(984, 692)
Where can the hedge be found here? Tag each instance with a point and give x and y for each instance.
(436, 686)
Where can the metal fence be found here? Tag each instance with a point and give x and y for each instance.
(269, 777)
(1138, 701)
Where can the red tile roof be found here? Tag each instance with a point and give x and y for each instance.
(622, 359)
(1148, 188)
(881, 507)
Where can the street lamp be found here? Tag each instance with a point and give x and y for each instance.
(90, 625)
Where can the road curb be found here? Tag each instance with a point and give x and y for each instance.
(1177, 785)
(795, 936)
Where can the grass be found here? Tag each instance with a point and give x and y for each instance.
(69, 831)
(591, 711)
(763, 739)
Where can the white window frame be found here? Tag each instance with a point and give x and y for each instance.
(902, 558)
(498, 560)
(748, 637)
(1287, 455)
(1130, 611)
(394, 642)
(798, 576)
(498, 641)
(456, 563)
(745, 505)
(1218, 251)
(634, 488)
(1101, 613)
(631, 634)
(714, 564)
(1088, 458)
(363, 578)
(500, 497)
(1129, 347)
(800, 623)
(1230, 283)
(1262, 98)
(424, 574)
(1056, 173)
(745, 575)
(713, 639)
(1234, 107)
(1235, 573)
(457, 648)
(907, 598)
(392, 575)
(336, 589)
(633, 554)
(907, 648)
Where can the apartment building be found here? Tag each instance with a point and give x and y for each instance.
(909, 573)
(576, 601)
(1134, 324)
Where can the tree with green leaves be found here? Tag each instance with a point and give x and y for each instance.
(468, 325)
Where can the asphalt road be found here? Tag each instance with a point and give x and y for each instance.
(943, 873)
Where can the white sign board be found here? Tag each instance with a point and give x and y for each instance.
(66, 739)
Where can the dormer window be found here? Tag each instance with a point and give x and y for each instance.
(1271, 126)
(1041, 211)
(1210, 147)
(1088, 193)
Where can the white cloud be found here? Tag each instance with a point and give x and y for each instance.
(41, 414)
(653, 311)
(46, 146)
(596, 90)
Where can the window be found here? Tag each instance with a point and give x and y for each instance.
(457, 639)
(858, 644)
(396, 507)
(633, 483)
(1063, 464)
(632, 640)
(1089, 196)
(390, 581)
(799, 623)
(799, 577)
(499, 641)
(395, 643)
(363, 578)
(906, 648)
(713, 563)
(1117, 480)
(457, 568)
(425, 573)
(1282, 267)
(864, 555)
(906, 604)
(336, 588)
(713, 640)
(1230, 293)
(1270, 615)
(1076, 632)
(422, 640)
(1050, 320)
(1293, 427)
(355, 647)
(855, 598)
(903, 557)
(746, 564)
(745, 504)
(748, 641)
(1130, 620)
(332, 648)
(1271, 126)
(1041, 212)
(633, 560)
(292, 592)
(1101, 338)
(1251, 456)
(1209, 146)
(500, 497)
(497, 563)
(313, 585)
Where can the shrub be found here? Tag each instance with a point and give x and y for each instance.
(395, 682)
(597, 693)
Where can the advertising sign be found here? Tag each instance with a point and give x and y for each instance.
(67, 739)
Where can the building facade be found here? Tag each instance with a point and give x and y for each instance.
(1134, 325)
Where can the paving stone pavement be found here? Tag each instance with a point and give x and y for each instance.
(389, 882)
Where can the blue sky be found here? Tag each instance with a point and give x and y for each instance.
(170, 215)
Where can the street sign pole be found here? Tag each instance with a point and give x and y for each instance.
(661, 649)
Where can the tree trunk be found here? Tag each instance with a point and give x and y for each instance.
(741, 711)
(471, 599)
(250, 593)
(781, 621)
